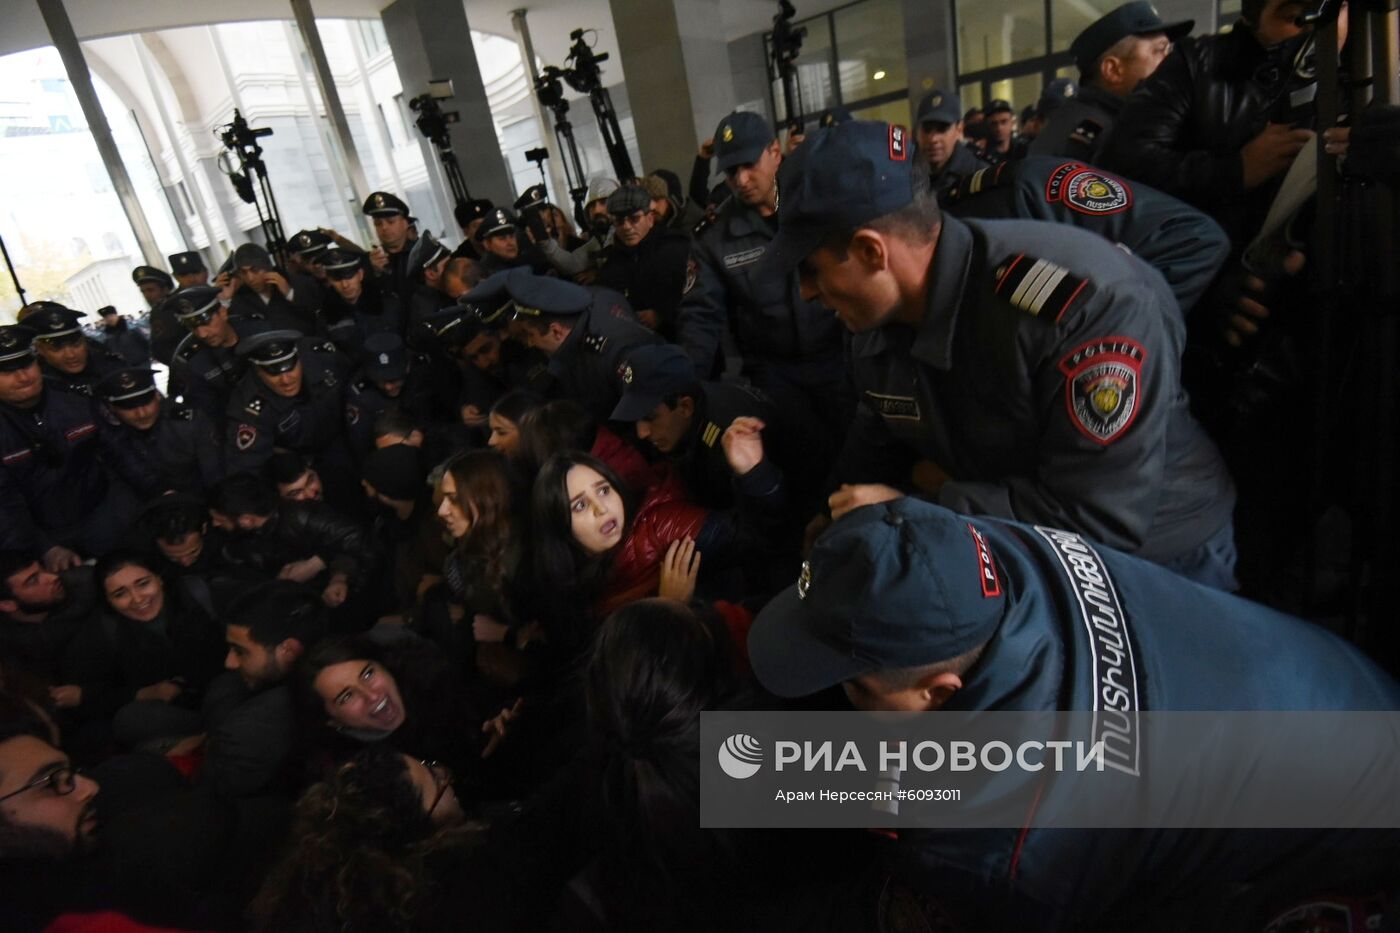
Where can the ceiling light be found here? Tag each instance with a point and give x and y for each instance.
(878, 75)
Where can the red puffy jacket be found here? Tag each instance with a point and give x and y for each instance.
(664, 516)
(627, 461)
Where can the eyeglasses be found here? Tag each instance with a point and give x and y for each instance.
(61, 781)
(442, 777)
(626, 220)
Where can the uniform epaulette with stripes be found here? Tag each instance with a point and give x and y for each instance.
(984, 179)
(711, 434)
(1038, 285)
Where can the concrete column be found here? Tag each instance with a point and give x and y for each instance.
(676, 61)
(339, 176)
(928, 46)
(545, 118)
(431, 41)
(69, 49)
(374, 118)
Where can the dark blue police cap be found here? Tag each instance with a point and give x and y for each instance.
(940, 107)
(309, 244)
(194, 306)
(274, 350)
(652, 375)
(383, 204)
(998, 105)
(451, 328)
(836, 180)
(426, 251)
(741, 138)
(54, 322)
(341, 263)
(534, 196)
(130, 387)
(152, 274)
(386, 357)
(1055, 94)
(490, 300)
(16, 347)
(535, 295)
(475, 209)
(186, 263)
(896, 585)
(500, 220)
(1138, 18)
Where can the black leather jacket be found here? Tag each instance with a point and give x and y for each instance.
(1183, 128)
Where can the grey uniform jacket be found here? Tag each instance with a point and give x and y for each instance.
(1045, 380)
(1077, 128)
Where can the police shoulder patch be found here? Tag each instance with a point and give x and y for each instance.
(254, 406)
(1086, 131)
(245, 436)
(595, 342)
(1088, 190)
(183, 414)
(1036, 285)
(1103, 386)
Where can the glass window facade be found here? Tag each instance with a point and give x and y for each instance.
(853, 56)
(991, 35)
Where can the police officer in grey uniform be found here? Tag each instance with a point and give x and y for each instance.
(69, 358)
(1177, 240)
(68, 484)
(179, 445)
(1034, 368)
(206, 366)
(940, 138)
(1114, 53)
(791, 347)
(587, 335)
(292, 397)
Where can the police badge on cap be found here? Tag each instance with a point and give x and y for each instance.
(383, 204)
(16, 347)
(274, 351)
(499, 221)
(128, 388)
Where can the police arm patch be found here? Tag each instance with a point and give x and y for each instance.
(245, 436)
(1103, 386)
(1035, 285)
(692, 275)
(1090, 191)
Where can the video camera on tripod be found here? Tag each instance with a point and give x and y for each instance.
(786, 44)
(242, 162)
(434, 122)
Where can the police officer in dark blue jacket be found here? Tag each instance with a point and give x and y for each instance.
(791, 347)
(1177, 240)
(357, 304)
(69, 358)
(206, 365)
(66, 480)
(939, 124)
(587, 335)
(1033, 368)
(391, 376)
(179, 445)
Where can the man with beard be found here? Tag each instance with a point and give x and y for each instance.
(178, 444)
(394, 227)
(69, 358)
(357, 304)
(248, 709)
(646, 260)
(40, 612)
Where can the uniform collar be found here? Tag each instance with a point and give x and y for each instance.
(745, 220)
(1100, 98)
(559, 361)
(947, 282)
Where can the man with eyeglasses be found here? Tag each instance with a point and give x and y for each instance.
(1114, 54)
(646, 260)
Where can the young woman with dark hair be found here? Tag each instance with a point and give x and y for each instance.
(145, 664)
(563, 425)
(504, 420)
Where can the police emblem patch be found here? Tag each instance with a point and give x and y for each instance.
(991, 583)
(245, 437)
(692, 275)
(1103, 385)
(627, 374)
(804, 580)
(728, 134)
(899, 143)
(1093, 192)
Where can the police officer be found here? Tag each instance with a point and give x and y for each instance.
(999, 119)
(587, 336)
(179, 445)
(289, 303)
(791, 347)
(1114, 54)
(66, 482)
(292, 397)
(1052, 97)
(69, 358)
(391, 376)
(427, 267)
(469, 217)
(909, 606)
(394, 227)
(1035, 367)
(498, 241)
(155, 287)
(122, 339)
(206, 365)
(488, 362)
(357, 304)
(189, 269)
(646, 260)
(940, 138)
(305, 250)
(1177, 240)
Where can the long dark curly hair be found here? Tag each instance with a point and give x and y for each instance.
(360, 851)
(483, 486)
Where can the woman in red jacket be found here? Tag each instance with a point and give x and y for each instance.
(564, 425)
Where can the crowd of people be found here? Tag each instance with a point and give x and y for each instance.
(390, 599)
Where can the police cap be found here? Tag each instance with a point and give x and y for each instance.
(1054, 95)
(152, 274)
(386, 357)
(54, 324)
(426, 251)
(891, 586)
(837, 180)
(475, 209)
(652, 375)
(534, 196)
(490, 300)
(131, 387)
(1138, 18)
(383, 204)
(940, 107)
(452, 327)
(341, 263)
(274, 351)
(535, 295)
(999, 105)
(34, 307)
(186, 263)
(193, 307)
(741, 138)
(308, 245)
(500, 220)
(16, 347)
(108, 310)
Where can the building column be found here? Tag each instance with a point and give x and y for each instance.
(431, 41)
(545, 118)
(71, 51)
(676, 63)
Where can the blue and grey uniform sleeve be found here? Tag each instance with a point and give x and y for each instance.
(704, 309)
